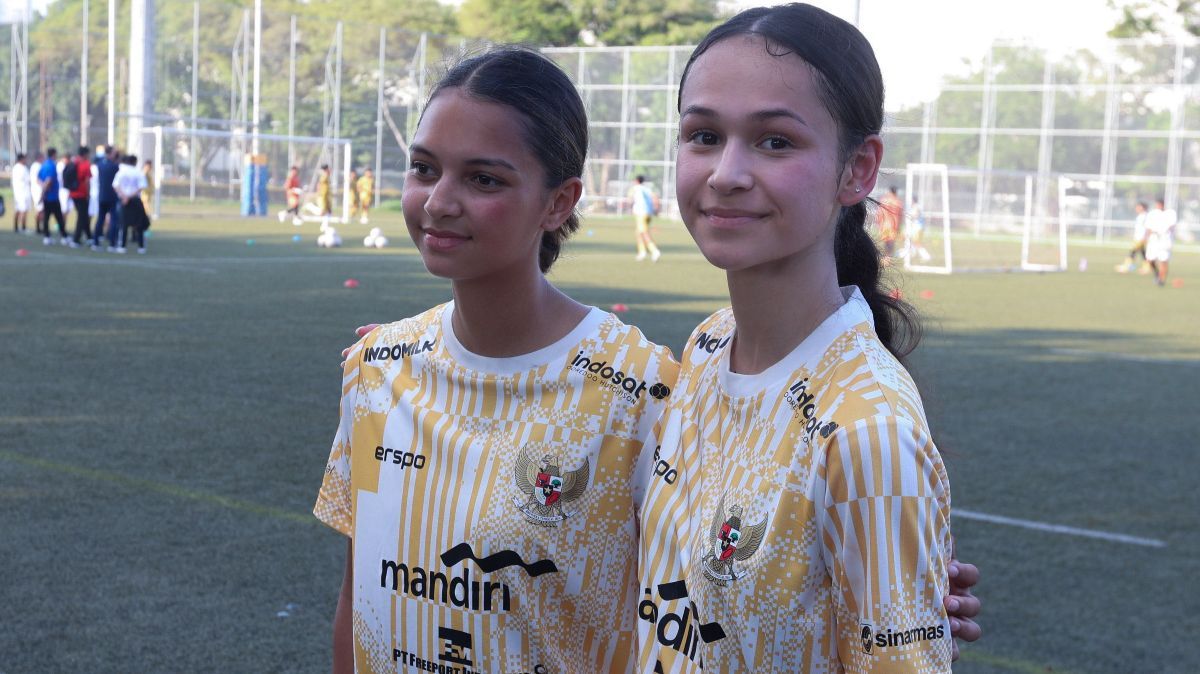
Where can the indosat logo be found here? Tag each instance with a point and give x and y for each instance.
(622, 383)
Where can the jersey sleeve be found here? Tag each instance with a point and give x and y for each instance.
(886, 541)
(334, 504)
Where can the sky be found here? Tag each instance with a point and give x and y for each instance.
(917, 42)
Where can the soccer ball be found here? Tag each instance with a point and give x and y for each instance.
(375, 239)
(329, 237)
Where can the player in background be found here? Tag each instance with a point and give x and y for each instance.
(490, 444)
(22, 199)
(888, 217)
(79, 193)
(292, 193)
(644, 205)
(353, 188)
(1160, 238)
(366, 196)
(1139, 243)
(35, 195)
(128, 185)
(147, 193)
(48, 181)
(915, 232)
(805, 525)
(324, 194)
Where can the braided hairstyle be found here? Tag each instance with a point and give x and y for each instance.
(551, 113)
(850, 86)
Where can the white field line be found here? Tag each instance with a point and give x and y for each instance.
(135, 260)
(1058, 529)
(1128, 357)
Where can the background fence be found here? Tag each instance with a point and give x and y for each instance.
(1095, 130)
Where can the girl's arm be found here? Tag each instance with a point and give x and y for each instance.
(343, 633)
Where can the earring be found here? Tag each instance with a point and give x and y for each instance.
(858, 189)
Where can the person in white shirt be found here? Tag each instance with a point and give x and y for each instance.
(1160, 238)
(35, 192)
(129, 183)
(21, 196)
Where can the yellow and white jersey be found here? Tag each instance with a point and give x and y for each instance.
(797, 520)
(492, 502)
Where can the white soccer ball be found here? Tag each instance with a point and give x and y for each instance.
(375, 239)
(329, 237)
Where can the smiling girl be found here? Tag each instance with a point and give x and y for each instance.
(808, 526)
(484, 463)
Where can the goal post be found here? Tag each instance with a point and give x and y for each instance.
(919, 207)
(212, 164)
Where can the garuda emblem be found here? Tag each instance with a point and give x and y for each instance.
(548, 489)
(730, 541)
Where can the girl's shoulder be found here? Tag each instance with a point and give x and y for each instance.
(403, 336)
(711, 336)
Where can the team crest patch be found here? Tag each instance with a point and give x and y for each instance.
(730, 541)
(547, 489)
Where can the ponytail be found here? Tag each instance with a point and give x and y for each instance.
(858, 264)
(552, 242)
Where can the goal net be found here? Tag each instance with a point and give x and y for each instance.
(1025, 229)
(925, 232)
(219, 170)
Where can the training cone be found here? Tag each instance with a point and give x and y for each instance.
(1083, 264)
(249, 242)
(350, 283)
(926, 294)
(617, 308)
(21, 252)
(296, 237)
(1177, 283)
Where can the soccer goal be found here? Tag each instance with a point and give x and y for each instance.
(926, 243)
(221, 167)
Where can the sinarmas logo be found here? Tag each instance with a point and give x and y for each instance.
(872, 638)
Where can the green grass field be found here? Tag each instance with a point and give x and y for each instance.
(166, 421)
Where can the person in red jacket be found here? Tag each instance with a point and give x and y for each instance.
(80, 194)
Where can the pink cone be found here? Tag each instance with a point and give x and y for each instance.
(617, 308)
(21, 252)
(926, 294)
(1177, 283)
(350, 283)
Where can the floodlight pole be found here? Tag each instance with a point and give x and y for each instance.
(257, 71)
(112, 72)
(18, 84)
(379, 117)
(83, 84)
(337, 96)
(192, 149)
(292, 93)
(143, 35)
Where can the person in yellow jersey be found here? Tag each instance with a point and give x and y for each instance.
(353, 191)
(324, 192)
(801, 521)
(366, 196)
(484, 463)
